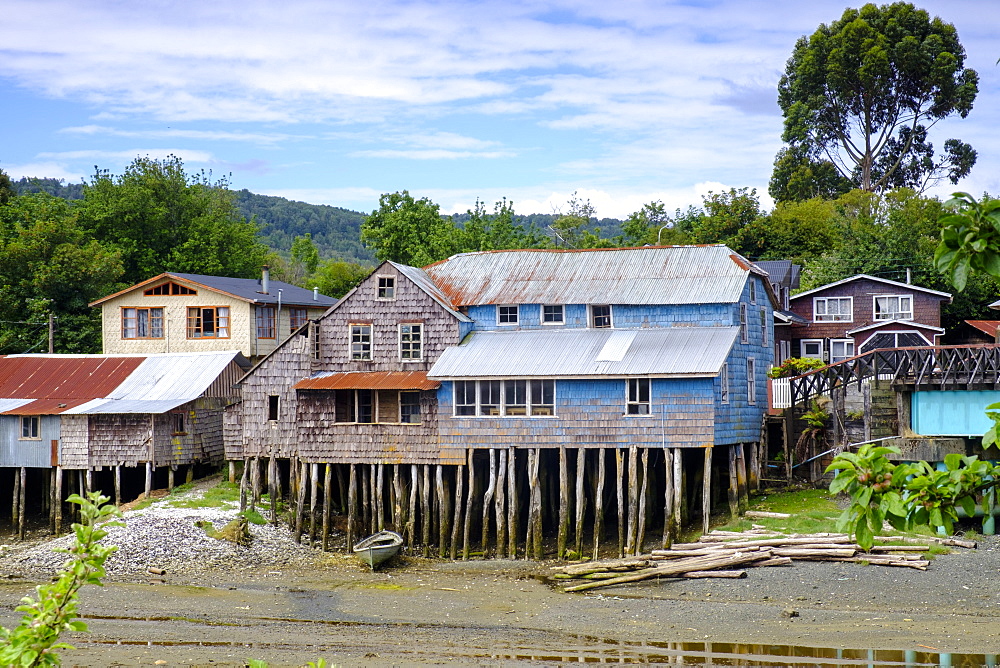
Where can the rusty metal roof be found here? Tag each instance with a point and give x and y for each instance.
(63, 377)
(986, 326)
(422, 281)
(670, 351)
(369, 380)
(647, 275)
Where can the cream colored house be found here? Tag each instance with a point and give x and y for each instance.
(174, 313)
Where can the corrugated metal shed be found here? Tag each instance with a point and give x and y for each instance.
(672, 351)
(371, 380)
(648, 275)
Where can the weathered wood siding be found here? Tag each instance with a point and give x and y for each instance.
(119, 439)
(232, 431)
(74, 436)
(202, 440)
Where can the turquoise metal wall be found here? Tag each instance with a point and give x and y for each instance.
(951, 413)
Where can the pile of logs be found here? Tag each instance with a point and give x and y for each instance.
(717, 554)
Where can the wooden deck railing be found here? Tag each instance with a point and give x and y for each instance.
(926, 367)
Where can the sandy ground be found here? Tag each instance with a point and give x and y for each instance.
(500, 612)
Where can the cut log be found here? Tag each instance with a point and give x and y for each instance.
(800, 553)
(716, 574)
(678, 568)
(762, 513)
(774, 561)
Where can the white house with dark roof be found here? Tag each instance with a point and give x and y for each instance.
(176, 312)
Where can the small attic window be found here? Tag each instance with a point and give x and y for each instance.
(386, 287)
(169, 288)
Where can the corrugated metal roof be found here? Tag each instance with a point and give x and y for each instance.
(369, 380)
(422, 281)
(648, 275)
(985, 326)
(85, 384)
(244, 288)
(671, 351)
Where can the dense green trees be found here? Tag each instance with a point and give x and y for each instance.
(861, 93)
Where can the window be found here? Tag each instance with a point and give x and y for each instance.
(361, 342)
(812, 348)
(744, 332)
(142, 323)
(506, 315)
(600, 316)
(637, 402)
(841, 349)
(753, 291)
(553, 314)
(763, 326)
(209, 322)
(409, 407)
(272, 407)
(465, 397)
(29, 427)
(387, 287)
(365, 412)
(833, 309)
(358, 406)
(724, 384)
(894, 307)
(177, 423)
(515, 397)
(169, 289)
(296, 318)
(317, 349)
(751, 380)
(409, 341)
(265, 322)
(512, 398)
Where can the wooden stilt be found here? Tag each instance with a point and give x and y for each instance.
(293, 490)
(53, 500)
(535, 511)
(397, 499)
(619, 485)
(678, 490)
(300, 505)
(327, 475)
(149, 479)
(581, 498)
(59, 498)
(170, 477)
(668, 499)
(341, 488)
(468, 505)
(243, 487)
(563, 504)
(633, 499)
(457, 525)
(22, 488)
(313, 489)
(599, 503)
(442, 502)
(734, 494)
(513, 504)
(90, 482)
(352, 504)
(412, 518)
(272, 487)
(118, 485)
(741, 478)
(367, 489)
(189, 474)
(232, 472)
(380, 498)
(255, 472)
(644, 487)
(706, 492)
(425, 510)
(501, 504)
(491, 486)
(15, 497)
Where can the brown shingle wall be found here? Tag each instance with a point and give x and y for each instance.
(119, 439)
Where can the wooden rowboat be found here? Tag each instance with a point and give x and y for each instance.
(378, 548)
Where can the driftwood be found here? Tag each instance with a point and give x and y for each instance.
(716, 574)
(678, 568)
(761, 513)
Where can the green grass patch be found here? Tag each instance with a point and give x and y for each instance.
(254, 517)
(811, 510)
(223, 494)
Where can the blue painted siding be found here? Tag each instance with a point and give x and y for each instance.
(951, 413)
(591, 413)
(625, 316)
(28, 453)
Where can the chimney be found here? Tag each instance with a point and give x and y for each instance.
(909, 276)
(265, 279)
(315, 294)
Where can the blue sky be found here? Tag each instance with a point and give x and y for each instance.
(336, 102)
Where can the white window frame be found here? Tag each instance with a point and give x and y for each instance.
(517, 315)
(387, 292)
(33, 425)
(882, 318)
(419, 341)
(744, 328)
(635, 398)
(533, 407)
(590, 316)
(550, 323)
(837, 358)
(837, 318)
(802, 348)
(753, 291)
(751, 381)
(724, 383)
(785, 350)
(763, 326)
(360, 355)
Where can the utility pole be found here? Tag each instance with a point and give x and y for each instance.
(52, 333)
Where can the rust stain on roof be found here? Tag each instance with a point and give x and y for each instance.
(985, 326)
(61, 382)
(370, 380)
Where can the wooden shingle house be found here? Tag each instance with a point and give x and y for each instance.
(488, 396)
(97, 416)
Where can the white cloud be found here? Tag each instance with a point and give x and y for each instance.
(202, 135)
(154, 153)
(431, 154)
(47, 170)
